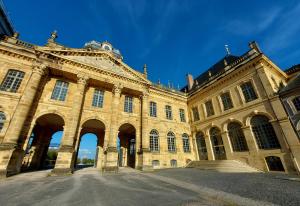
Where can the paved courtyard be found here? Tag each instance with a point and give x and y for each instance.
(164, 187)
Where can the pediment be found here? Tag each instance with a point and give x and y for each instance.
(104, 62)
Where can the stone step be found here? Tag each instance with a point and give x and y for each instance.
(222, 165)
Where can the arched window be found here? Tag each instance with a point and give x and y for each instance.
(171, 142)
(186, 143)
(274, 163)
(296, 102)
(237, 138)
(154, 145)
(155, 164)
(12, 81)
(264, 133)
(217, 143)
(2, 120)
(173, 163)
(201, 146)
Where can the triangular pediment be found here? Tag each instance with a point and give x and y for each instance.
(101, 60)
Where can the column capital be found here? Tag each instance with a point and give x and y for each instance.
(117, 88)
(40, 68)
(82, 78)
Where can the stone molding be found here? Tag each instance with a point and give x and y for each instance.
(82, 78)
(8, 146)
(40, 68)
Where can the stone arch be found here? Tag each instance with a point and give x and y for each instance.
(217, 143)
(51, 111)
(127, 145)
(38, 145)
(230, 120)
(93, 117)
(252, 114)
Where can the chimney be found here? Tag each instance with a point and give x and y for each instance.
(254, 45)
(190, 81)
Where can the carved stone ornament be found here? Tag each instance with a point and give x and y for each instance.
(117, 88)
(82, 78)
(40, 68)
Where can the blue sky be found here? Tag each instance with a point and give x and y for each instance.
(173, 37)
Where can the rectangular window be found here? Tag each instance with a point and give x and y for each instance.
(248, 91)
(209, 108)
(226, 100)
(168, 112)
(186, 144)
(182, 115)
(98, 98)
(128, 104)
(153, 109)
(60, 90)
(12, 81)
(195, 113)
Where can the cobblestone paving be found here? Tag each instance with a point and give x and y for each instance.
(186, 187)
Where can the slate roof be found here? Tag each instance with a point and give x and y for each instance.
(293, 84)
(217, 68)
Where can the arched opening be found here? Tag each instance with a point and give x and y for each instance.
(43, 143)
(274, 163)
(173, 163)
(90, 144)
(155, 164)
(154, 141)
(201, 146)
(264, 133)
(237, 137)
(126, 146)
(217, 143)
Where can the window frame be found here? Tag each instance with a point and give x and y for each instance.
(98, 98)
(186, 143)
(196, 114)
(253, 88)
(59, 92)
(227, 101)
(296, 103)
(152, 109)
(2, 120)
(182, 115)
(12, 83)
(237, 137)
(171, 140)
(168, 111)
(154, 141)
(128, 104)
(209, 108)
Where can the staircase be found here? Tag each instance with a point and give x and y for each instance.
(222, 166)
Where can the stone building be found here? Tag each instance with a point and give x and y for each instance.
(232, 111)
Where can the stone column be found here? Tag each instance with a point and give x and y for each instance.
(227, 145)
(11, 151)
(65, 161)
(210, 151)
(194, 145)
(111, 162)
(145, 133)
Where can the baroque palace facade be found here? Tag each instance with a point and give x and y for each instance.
(231, 111)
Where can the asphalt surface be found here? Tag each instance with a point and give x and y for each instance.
(186, 187)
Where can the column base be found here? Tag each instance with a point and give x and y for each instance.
(110, 169)
(61, 171)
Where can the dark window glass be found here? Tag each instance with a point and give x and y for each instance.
(209, 108)
(195, 113)
(248, 92)
(226, 100)
(60, 90)
(237, 137)
(12, 81)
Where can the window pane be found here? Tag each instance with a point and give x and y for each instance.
(209, 108)
(201, 146)
(60, 90)
(195, 114)
(248, 92)
(264, 133)
(226, 100)
(182, 115)
(98, 98)
(296, 102)
(186, 143)
(154, 147)
(171, 142)
(168, 112)
(237, 137)
(128, 104)
(12, 81)
(152, 109)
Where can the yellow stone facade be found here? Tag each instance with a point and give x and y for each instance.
(32, 110)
